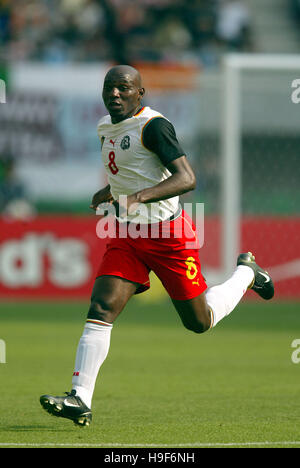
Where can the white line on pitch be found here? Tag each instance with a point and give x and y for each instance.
(187, 445)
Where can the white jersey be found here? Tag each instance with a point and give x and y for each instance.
(131, 167)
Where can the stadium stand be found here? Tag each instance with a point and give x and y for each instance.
(125, 31)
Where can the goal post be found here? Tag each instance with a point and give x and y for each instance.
(231, 137)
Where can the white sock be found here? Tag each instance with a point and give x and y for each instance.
(91, 352)
(222, 299)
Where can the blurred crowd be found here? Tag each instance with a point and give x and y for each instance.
(122, 30)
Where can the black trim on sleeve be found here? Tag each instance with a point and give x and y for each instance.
(159, 136)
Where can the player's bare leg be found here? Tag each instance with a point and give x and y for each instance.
(194, 313)
(109, 297)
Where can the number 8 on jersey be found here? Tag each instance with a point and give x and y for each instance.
(112, 165)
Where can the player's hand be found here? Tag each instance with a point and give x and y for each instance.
(102, 196)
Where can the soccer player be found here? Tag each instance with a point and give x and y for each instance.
(145, 162)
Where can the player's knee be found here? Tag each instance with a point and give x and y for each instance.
(197, 324)
(197, 327)
(102, 309)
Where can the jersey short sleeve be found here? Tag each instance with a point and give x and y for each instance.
(159, 136)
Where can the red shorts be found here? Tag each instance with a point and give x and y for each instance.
(170, 249)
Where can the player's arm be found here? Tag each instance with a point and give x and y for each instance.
(181, 181)
(159, 136)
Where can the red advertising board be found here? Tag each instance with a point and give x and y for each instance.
(276, 244)
(49, 257)
(57, 257)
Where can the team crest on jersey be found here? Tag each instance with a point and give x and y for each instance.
(125, 143)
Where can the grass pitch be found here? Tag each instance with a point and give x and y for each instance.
(161, 385)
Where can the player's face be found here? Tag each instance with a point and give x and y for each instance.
(121, 96)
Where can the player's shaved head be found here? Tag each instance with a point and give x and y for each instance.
(122, 92)
(125, 71)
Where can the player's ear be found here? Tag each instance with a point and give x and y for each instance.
(142, 92)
